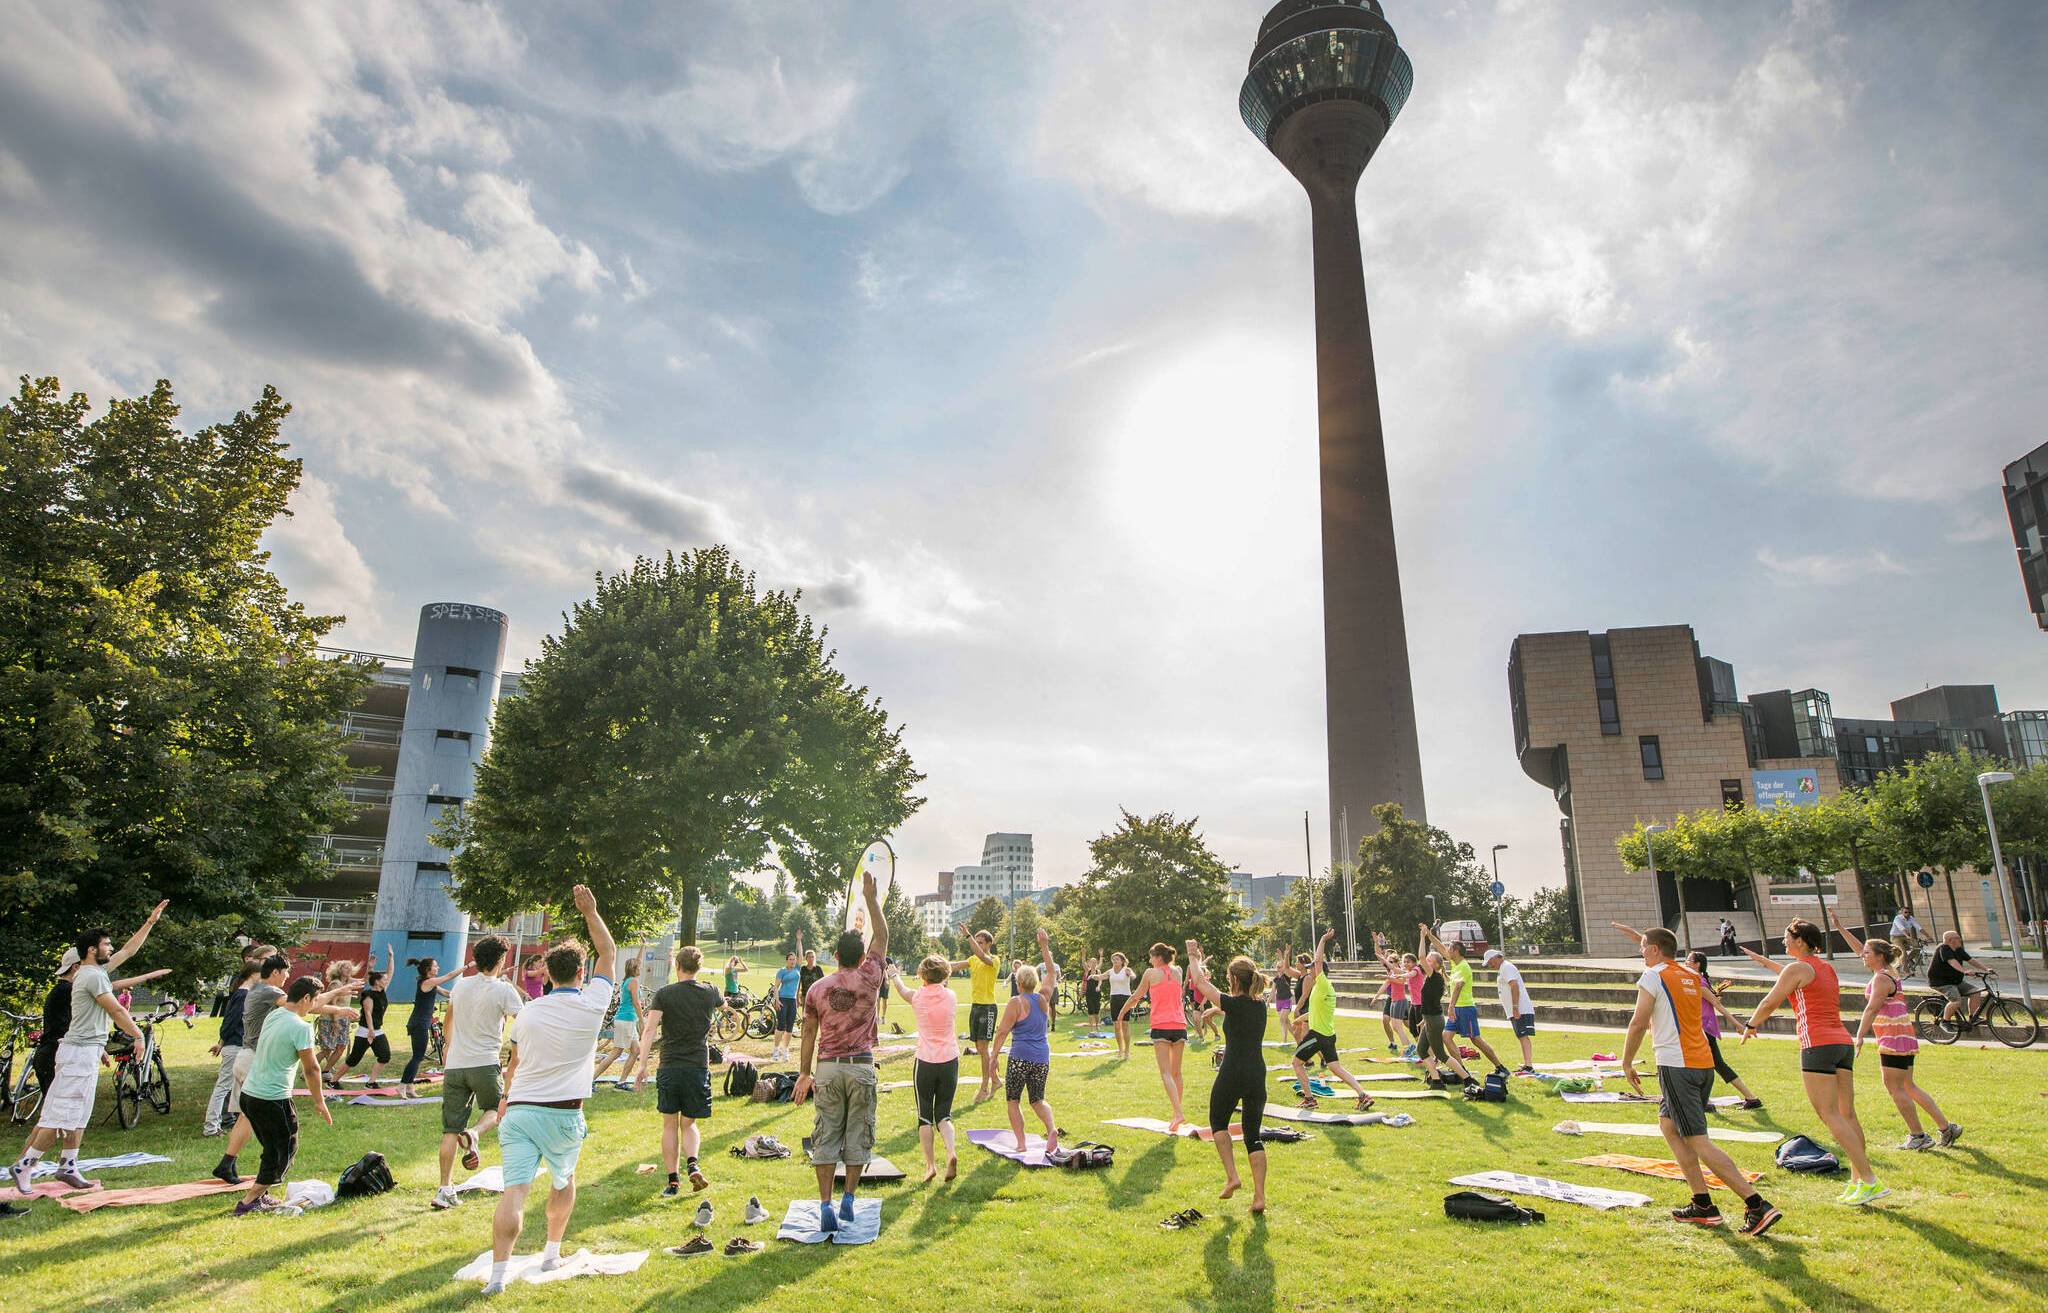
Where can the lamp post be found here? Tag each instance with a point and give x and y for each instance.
(2019, 959)
(1500, 924)
(1650, 855)
(1309, 874)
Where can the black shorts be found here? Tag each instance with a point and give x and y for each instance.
(1169, 1034)
(682, 1090)
(981, 1022)
(1093, 996)
(1116, 1004)
(381, 1046)
(785, 1015)
(1317, 1045)
(1901, 1061)
(1025, 1079)
(1524, 1026)
(1825, 1059)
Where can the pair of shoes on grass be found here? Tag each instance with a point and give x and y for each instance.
(696, 1245)
(1182, 1220)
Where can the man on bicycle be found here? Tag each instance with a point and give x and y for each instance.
(1906, 930)
(1948, 974)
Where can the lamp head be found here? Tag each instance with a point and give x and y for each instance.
(1991, 777)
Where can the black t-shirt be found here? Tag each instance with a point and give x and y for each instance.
(1244, 1030)
(378, 1000)
(1943, 970)
(1283, 988)
(56, 1015)
(686, 1008)
(806, 976)
(1433, 992)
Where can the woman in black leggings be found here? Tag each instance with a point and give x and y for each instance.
(1429, 1027)
(370, 1040)
(1241, 1080)
(419, 1027)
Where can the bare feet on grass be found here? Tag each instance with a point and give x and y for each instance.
(1230, 1188)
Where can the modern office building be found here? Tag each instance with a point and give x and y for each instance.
(1253, 892)
(2026, 506)
(1004, 872)
(1326, 80)
(934, 913)
(1635, 725)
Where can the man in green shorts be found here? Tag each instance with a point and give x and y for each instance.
(478, 1007)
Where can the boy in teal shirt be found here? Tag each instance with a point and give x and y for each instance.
(283, 1049)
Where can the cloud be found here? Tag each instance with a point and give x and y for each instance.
(675, 518)
(909, 591)
(1828, 569)
(311, 552)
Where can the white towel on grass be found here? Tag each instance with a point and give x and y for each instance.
(48, 1166)
(1649, 1131)
(526, 1267)
(1286, 1114)
(1542, 1187)
(800, 1223)
(372, 1101)
(490, 1178)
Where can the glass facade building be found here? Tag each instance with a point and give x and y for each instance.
(1339, 64)
(2026, 505)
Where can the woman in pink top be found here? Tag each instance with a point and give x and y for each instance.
(936, 1069)
(1161, 983)
(1884, 1012)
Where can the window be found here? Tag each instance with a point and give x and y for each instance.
(1653, 757)
(1603, 686)
(458, 734)
(1731, 793)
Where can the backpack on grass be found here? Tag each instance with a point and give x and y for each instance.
(1083, 1155)
(367, 1175)
(1472, 1206)
(740, 1078)
(774, 1087)
(1800, 1154)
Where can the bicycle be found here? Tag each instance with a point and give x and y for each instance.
(139, 1075)
(1913, 961)
(20, 1092)
(2011, 1022)
(733, 1017)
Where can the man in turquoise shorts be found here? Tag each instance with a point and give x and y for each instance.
(554, 1048)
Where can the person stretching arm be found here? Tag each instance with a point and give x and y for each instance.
(136, 941)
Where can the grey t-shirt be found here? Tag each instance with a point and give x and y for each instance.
(256, 1009)
(90, 1024)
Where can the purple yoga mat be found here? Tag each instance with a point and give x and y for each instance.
(1002, 1144)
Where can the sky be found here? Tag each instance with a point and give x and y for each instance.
(988, 325)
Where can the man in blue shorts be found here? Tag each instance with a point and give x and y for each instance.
(1461, 1003)
(540, 1116)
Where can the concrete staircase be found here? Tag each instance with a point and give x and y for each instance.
(1585, 995)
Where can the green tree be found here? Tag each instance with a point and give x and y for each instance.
(906, 928)
(987, 915)
(1545, 917)
(167, 730)
(682, 725)
(738, 918)
(1400, 866)
(1154, 880)
(797, 919)
(1017, 936)
(1285, 921)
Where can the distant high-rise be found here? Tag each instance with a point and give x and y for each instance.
(1326, 81)
(2026, 505)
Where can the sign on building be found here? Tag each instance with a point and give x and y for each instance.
(1786, 788)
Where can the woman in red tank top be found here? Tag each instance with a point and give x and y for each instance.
(1161, 986)
(1827, 1051)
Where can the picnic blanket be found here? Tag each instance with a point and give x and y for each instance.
(526, 1267)
(1542, 1187)
(48, 1166)
(86, 1201)
(800, 1223)
(1662, 1168)
(1287, 1114)
(372, 1101)
(1649, 1131)
(1002, 1144)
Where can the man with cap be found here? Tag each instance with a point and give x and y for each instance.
(1516, 1003)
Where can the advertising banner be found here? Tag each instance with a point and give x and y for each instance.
(1785, 788)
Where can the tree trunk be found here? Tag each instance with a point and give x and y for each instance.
(686, 919)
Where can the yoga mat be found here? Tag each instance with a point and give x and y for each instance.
(1542, 1187)
(1361, 1077)
(86, 1201)
(879, 1169)
(1282, 1112)
(1000, 1144)
(1662, 1168)
(800, 1223)
(1603, 1096)
(526, 1267)
(1187, 1131)
(1649, 1131)
(372, 1101)
(48, 1166)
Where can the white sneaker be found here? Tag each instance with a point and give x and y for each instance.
(445, 1197)
(755, 1213)
(494, 1287)
(24, 1179)
(550, 1262)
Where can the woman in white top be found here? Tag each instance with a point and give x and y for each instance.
(1121, 981)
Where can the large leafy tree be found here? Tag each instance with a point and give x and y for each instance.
(1153, 879)
(166, 728)
(683, 730)
(1400, 867)
(906, 928)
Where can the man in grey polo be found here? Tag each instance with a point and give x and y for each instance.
(478, 1008)
(839, 1041)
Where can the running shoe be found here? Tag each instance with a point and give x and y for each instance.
(471, 1160)
(1308, 1103)
(740, 1245)
(494, 1288)
(625, 1087)
(445, 1198)
(1392, 1049)
(1869, 1193)
(755, 1213)
(672, 1190)
(9, 1210)
(1365, 1103)
(1951, 1133)
(24, 1179)
(1915, 1143)
(692, 1247)
(1525, 1070)
(1756, 1221)
(698, 1182)
(71, 1176)
(1410, 1054)
(1751, 1105)
(1849, 1191)
(703, 1217)
(1697, 1215)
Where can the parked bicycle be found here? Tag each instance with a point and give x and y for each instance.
(20, 1093)
(139, 1075)
(2010, 1021)
(732, 1024)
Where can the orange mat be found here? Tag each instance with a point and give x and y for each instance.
(85, 1201)
(1663, 1168)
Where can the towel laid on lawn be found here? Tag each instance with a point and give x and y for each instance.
(1003, 1145)
(86, 1201)
(1603, 1096)
(800, 1223)
(1649, 1131)
(1658, 1167)
(1279, 1068)
(490, 1178)
(372, 1101)
(526, 1267)
(49, 1166)
(1286, 1114)
(1542, 1187)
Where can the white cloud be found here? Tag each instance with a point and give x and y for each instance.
(1828, 569)
(311, 552)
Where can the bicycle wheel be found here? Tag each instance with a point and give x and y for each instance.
(2013, 1023)
(732, 1027)
(158, 1090)
(128, 1095)
(760, 1023)
(1931, 1023)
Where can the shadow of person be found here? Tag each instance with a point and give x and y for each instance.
(1242, 1287)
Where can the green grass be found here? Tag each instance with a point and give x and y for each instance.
(1355, 1217)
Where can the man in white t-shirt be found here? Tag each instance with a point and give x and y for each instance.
(540, 1115)
(478, 1007)
(1519, 1007)
(1905, 928)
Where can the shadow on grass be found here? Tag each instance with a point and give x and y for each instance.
(1976, 1160)
(1974, 1255)
(1246, 1287)
(1783, 1262)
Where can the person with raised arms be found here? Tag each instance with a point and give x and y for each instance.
(1030, 1061)
(935, 1072)
(980, 966)
(1885, 1013)
(1711, 1016)
(266, 995)
(1669, 1004)
(1321, 1037)
(285, 1048)
(839, 1043)
(1241, 1079)
(428, 987)
(1091, 990)
(372, 1002)
(623, 1041)
(682, 1011)
(1827, 1052)
(75, 1067)
(1119, 980)
(1400, 1014)
(1431, 1049)
(1462, 1004)
(1162, 986)
(547, 1082)
(479, 1005)
(1284, 976)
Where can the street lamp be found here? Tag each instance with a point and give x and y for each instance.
(1499, 921)
(2012, 929)
(1650, 855)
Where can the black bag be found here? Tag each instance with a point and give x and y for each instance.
(716, 1054)
(773, 1087)
(367, 1175)
(1084, 1155)
(1800, 1154)
(1472, 1206)
(1496, 1088)
(740, 1079)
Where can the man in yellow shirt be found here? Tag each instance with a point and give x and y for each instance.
(981, 1005)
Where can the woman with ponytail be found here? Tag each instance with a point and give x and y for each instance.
(1241, 1079)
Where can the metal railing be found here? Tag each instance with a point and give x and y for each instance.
(367, 794)
(330, 916)
(370, 728)
(349, 851)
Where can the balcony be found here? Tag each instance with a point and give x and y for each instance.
(367, 791)
(381, 731)
(329, 916)
(349, 852)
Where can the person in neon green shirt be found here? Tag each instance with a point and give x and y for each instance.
(1321, 1040)
(1460, 1004)
(981, 1004)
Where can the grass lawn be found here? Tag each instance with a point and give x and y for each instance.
(1355, 1214)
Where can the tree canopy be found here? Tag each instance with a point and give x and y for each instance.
(167, 730)
(684, 729)
(1153, 879)
(1401, 866)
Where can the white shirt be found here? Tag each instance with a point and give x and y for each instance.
(478, 1007)
(557, 1038)
(1902, 923)
(1119, 982)
(1510, 973)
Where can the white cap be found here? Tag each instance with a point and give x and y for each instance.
(68, 961)
(1495, 955)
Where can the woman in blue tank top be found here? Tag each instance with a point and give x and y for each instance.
(1024, 1019)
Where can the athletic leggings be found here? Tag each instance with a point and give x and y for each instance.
(421, 1037)
(1721, 1067)
(1433, 1037)
(935, 1083)
(1232, 1089)
(381, 1045)
(277, 1130)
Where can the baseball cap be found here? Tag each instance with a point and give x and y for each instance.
(68, 961)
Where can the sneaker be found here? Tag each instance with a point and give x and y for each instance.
(225, 1171)
(625, 1087)
(1756, 1221)
(740, 1245)
(1951, 1133)
(24, 1179)
(549, 1262)
(755, 1213)
(1915, 1143)
(471, 1160)
(1525, 1070)
(692, 1247)
(494, 1288)
(71, 1176)
(1392, 1049)
(1410, 1054)
(672, 1190)
(208, 1133)
(703, 1217)
(1849, 1191)
(1697, 1215)
(445, 1198)
(698, 1181)
(1751, 1105)
(1869, 1193)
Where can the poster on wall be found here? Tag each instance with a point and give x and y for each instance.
(1786, 788)
(1797, 891)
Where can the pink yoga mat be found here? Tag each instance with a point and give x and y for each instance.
(85, 1201)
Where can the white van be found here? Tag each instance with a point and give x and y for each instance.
(1468, 933)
